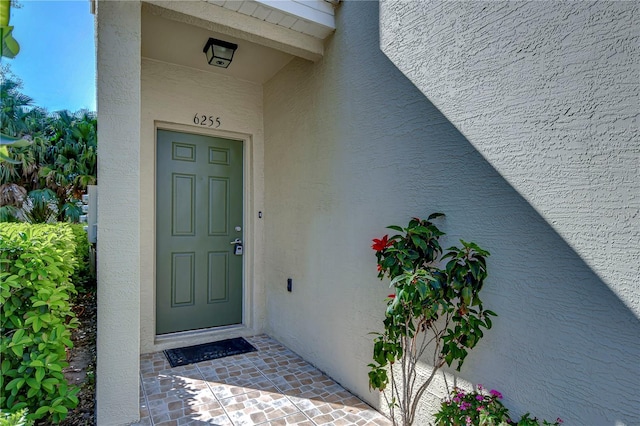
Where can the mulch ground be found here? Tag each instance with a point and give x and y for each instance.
(82, 361)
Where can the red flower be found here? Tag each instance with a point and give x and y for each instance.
(391, 296)
(379, 268)
(379, 245)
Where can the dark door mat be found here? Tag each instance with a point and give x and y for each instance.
(208, 351)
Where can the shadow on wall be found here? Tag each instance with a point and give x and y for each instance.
(564, 344)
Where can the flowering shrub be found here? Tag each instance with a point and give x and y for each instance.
(480, 408)
(431, 306)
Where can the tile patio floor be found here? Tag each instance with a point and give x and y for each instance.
(272, 386)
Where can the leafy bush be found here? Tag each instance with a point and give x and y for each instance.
(19, 418)
(36, 319)
(435, 304)
(83, 275)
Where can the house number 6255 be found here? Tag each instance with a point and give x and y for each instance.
(206, 120)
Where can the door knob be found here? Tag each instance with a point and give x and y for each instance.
(236, 241)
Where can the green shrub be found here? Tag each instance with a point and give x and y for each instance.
(36, 262)
(19, 418)
(83, 276)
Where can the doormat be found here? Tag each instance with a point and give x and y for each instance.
(208, 351)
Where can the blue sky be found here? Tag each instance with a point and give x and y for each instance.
(57, 54)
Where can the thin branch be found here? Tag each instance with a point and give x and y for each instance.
(424, 387)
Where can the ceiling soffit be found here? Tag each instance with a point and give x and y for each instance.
(294, 27)
(311, 17)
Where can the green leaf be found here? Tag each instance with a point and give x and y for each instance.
(14, 142)
(388, 262)
(42, 411)
(422, 288)
(466, 295)
(49, 384)
(60, 409)
(475, 269)
(418, 242)
(5, 157)
(37, 324)
(40, 374)
(18, 350)
(10, 47)
(17, 336)
(16, 383)
(488, 323)
(36, 363)
(54, 367)
(33, 383)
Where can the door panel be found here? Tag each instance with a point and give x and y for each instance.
(198, 207)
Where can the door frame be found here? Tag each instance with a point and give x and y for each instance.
(191, 337)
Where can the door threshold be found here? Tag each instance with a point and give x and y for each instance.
(196, 337)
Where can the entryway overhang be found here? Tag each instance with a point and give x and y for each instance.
(298, 28)
(152, 74)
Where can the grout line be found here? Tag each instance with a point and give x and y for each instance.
(226, 413)
(146, 400)
(283, 393)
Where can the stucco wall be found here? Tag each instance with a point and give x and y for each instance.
(118, 81)
(549, 93)
(351, 146)
(174, 94)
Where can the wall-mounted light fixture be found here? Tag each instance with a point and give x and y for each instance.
(219, 52)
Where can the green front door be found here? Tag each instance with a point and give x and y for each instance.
(198, 215)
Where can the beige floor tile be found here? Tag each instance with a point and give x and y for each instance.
(270, 387)
(297, 419)
(257, 407)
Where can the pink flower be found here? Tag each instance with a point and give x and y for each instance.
(465, 406)
(559, 420)
(480, 386)
(479, 397)
(468, 420)
(480, 408)
(495, 393)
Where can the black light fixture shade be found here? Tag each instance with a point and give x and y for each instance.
(219, 52)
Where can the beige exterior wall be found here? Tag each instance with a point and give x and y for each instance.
(171, 96)
(352, 146)
(335, 151)
(549, 93)
(118, 56)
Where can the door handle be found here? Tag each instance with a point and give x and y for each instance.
(236, 241)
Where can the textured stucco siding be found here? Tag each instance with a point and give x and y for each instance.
(172, 95)
(549, 93)
(352, 146)
(118, 56)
